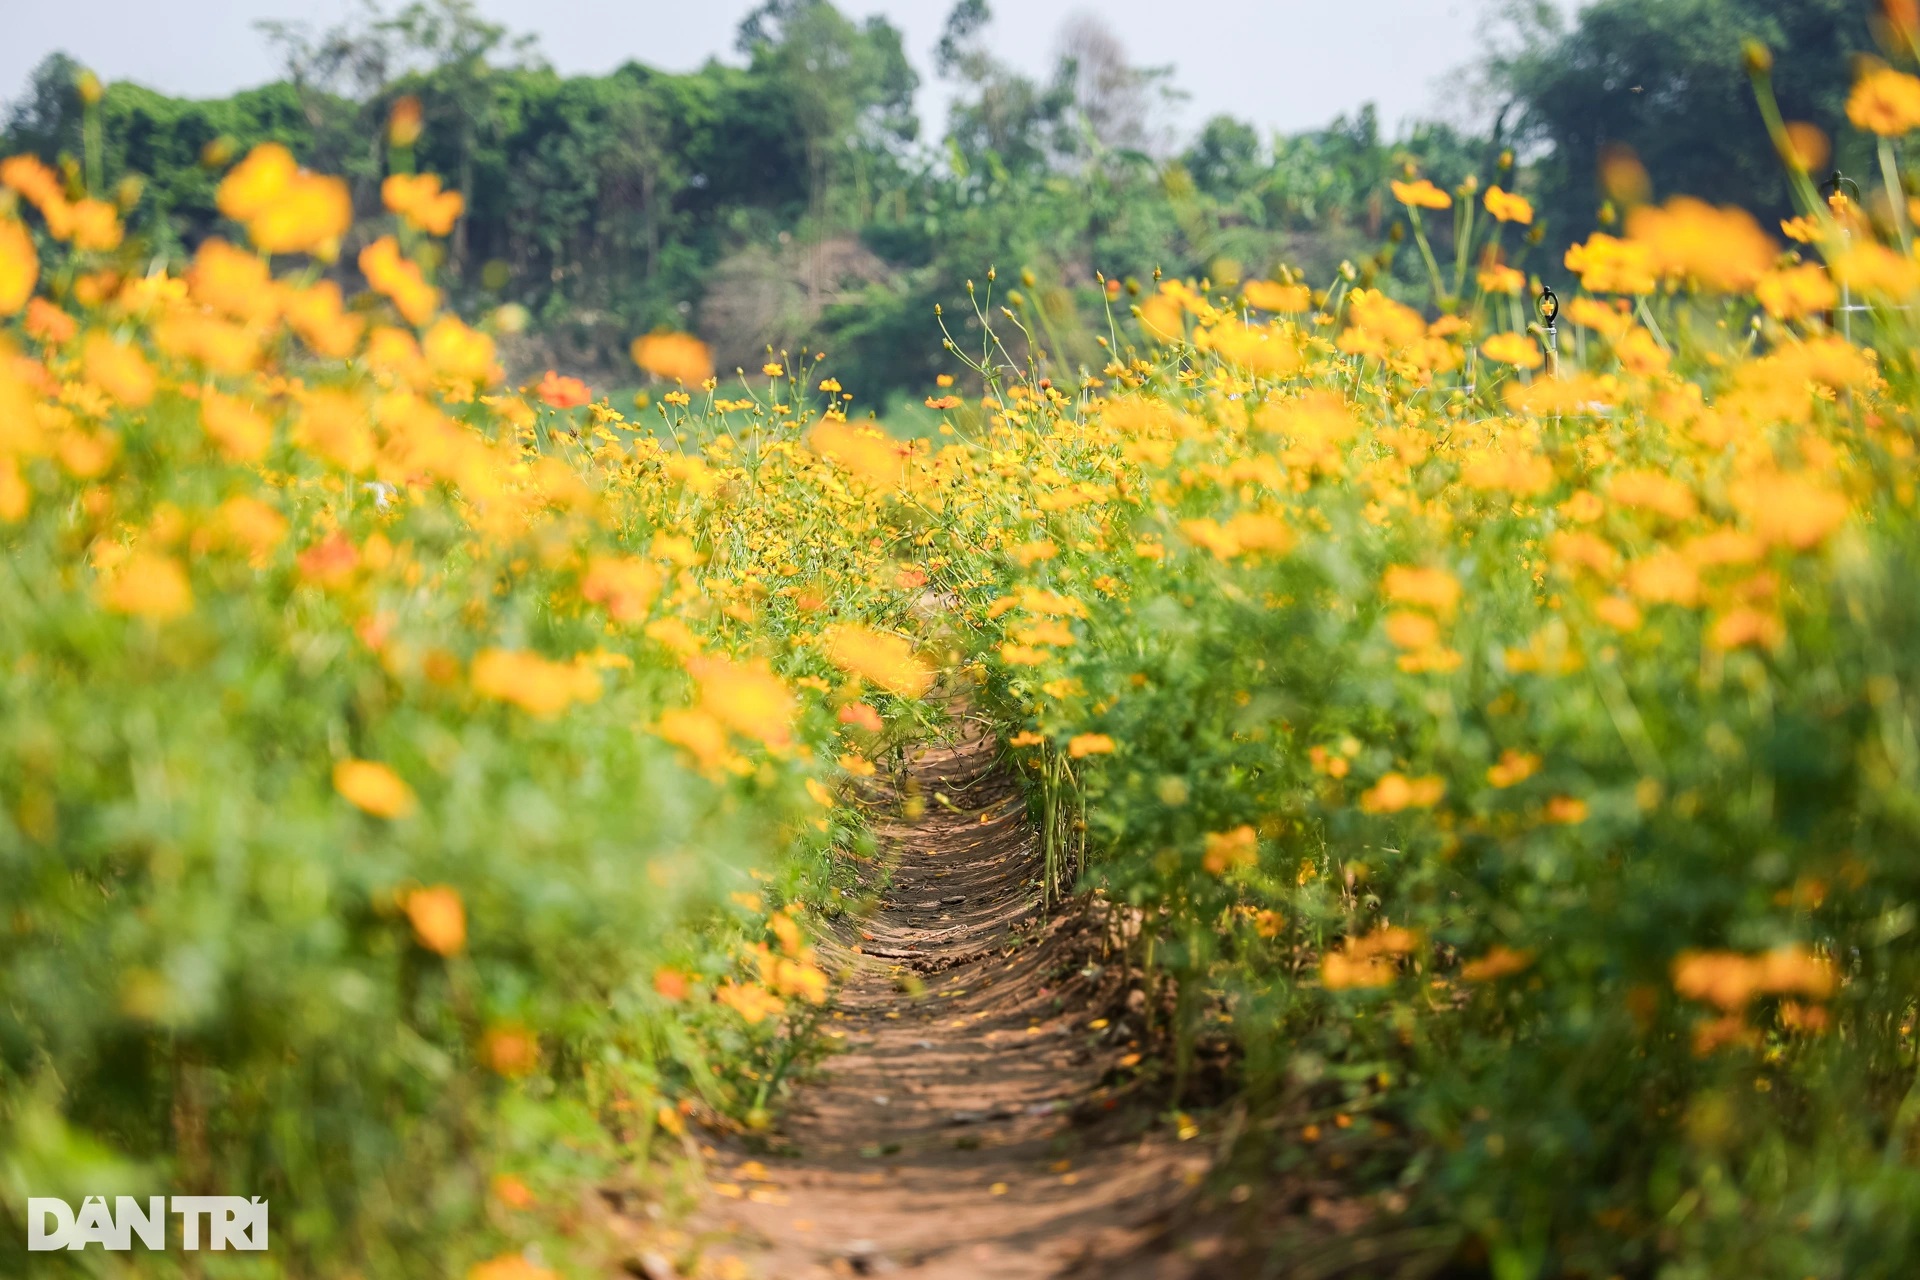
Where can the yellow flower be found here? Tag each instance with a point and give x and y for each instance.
(1083, 745)
(1498, 277)
(1434, 589)
(1230, 851)
(1789, 510)
(1421, 194)
(1268, 295)
(537, 686)
(459, 354)
(1516, 349)
(508, 1266)
(19, 266)
(625, 586)
(1498, 962)
(1722, 250)
(1885, 101)
(1513, 768)
(118, 369)
(419, 199)
(1607, 265)
(886, 660)
(438, 917)
(746, 697)
(149, 586)
(1793, 293)
(389, 273)
(675, 357)
(374, 788)
(1508, 207)
(1396, 792)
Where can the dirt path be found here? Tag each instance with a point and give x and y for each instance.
(979, 1121)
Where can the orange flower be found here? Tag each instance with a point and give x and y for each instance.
(626, 586)
(118, 369)
(1607, 265)
(389, 273)
(885, 660)
(541, 688)
(404, 123)
(48, 324)
(149, 586)
(1083, 745)
(510, 1266)
(562, 393)
(319, 315)
(1515, 349)
(33, 180)
(458, 353)
(510, 1050)
(1230, 851)
(511, 1192)
(1508, 207)
(1498, 962)
(419, 199)
(748, 698)
(674, 357)
(1790, 510)
(1653, 491)
(1885, 101)
(1421, 194)
(1513, 768)
(1722, 250)
(19, 266)
(860, 716)
(1796, 292)
(1268, 295)
(1434, 589)
(438, 917)
(671, 984)
(1396, 792)
(373, 788)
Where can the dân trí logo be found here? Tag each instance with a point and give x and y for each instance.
(231, 1222)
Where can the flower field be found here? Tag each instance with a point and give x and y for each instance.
(420, 796)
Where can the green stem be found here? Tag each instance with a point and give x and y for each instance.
(1426, 254)
(1896, 196)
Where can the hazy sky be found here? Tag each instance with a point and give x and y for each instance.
(1285, 64)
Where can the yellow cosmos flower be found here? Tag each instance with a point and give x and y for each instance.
(438, 917)
(1885, 101)
(1508, 207)
(1516, 349)
(674, 357)
(19, 266)
(885, 660)
(1421, 194)
(373, 788)
(149, 586)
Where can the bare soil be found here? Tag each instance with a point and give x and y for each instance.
(982, 1118)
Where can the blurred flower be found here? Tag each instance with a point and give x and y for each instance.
(1515, 349)
(438, 917)
(19, 266)
(149, 586)
(1722, 250)
(885, 660)
(1508, 207)
(1421, 194)
(1083, 745)
(674, 357)
(1884, 101)
(374, 788)
(419, 200)
(562, 393)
